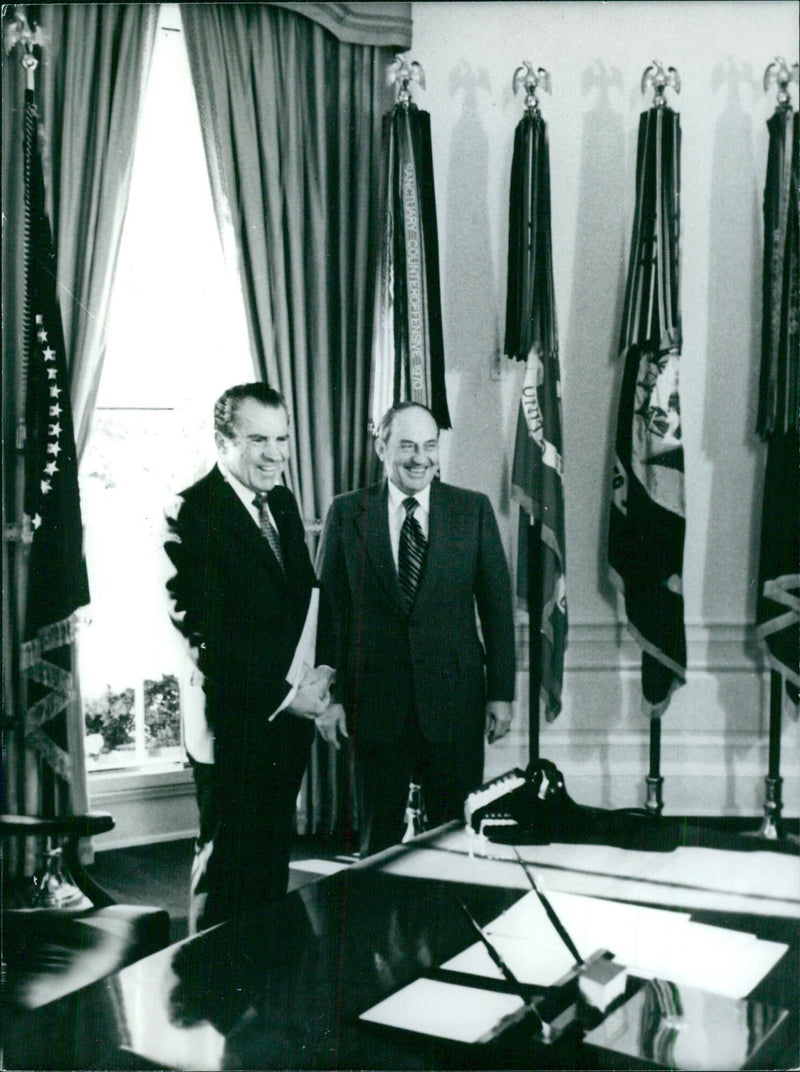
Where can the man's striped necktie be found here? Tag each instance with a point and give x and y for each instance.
(411, 554)
(268, 530)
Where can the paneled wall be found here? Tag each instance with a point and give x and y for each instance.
(714, 735)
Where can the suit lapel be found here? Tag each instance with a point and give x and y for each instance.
(242, 527)
(373, 526)
(445, 533)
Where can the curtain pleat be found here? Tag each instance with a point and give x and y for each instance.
(92, 86)
(291, 121)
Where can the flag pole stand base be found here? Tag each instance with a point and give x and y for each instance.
(772, 828)
(655, 800)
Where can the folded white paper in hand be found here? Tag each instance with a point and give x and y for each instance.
(315, 682)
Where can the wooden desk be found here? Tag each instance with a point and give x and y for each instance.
(283, 988)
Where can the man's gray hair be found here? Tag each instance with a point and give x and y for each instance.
(384, 428)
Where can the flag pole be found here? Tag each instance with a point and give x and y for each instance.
(659, 79)
(56, 583)
(772, 825)
(20, 766)
(655, 783)
(408, 344)
(535, 606)
(537, 477)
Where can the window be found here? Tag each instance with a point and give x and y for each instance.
(177, 338)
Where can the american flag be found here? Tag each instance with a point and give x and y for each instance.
(57, 580)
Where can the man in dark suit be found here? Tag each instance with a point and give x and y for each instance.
(405, 563)
(240, 594)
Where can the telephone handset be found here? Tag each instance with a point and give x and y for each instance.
(534, 808)
(520, 807)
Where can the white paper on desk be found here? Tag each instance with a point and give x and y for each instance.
(715, 959)
(767, 874)
(539, 962)
(650, 942)
(592, 923)
(305, 654)
(527, 941)
(453, 857)
(536, 954)
(444, 1010)
(597, 860)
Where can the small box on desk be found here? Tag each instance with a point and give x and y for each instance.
(666, 1026)
(602, 981)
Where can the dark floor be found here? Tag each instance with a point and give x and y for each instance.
(158, 874)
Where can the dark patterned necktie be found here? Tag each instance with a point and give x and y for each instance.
(411, 553)
(268, 530)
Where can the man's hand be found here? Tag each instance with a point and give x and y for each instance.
(313, 693)
(329, 721)
(498, 719)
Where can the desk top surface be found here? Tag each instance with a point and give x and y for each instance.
(284, 987)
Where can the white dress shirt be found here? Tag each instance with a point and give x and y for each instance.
(247, 495)
(397, 514)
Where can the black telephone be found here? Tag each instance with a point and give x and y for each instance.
(534, 808)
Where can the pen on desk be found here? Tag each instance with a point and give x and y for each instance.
(561, 930)
(493, 952)
(508, 975)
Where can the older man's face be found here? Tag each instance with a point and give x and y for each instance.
(411, 453)
(259, 449)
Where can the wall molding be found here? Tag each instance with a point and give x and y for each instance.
(714, 737)
(714, 741)
(604, 646)
(147, 806)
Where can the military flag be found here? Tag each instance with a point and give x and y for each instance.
(647, 516)
(57, 580)
(537, 481)
(778, 603)
(408, 347)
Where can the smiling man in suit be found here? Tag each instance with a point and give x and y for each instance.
(240, 594)
(405, 564)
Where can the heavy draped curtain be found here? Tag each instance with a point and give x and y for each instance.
(88, 88)
(92, 89)
(291, 117)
